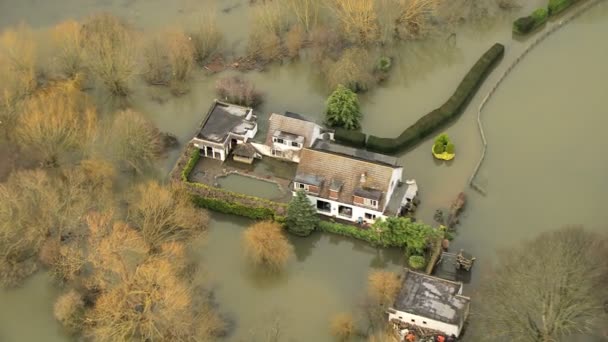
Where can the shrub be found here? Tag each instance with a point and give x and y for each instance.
(438, 148)
(557, 6)
(416, 262)
(238, 90)
(342, 326)
(342, 109)
(350, 138)
(450, 148)
(444, 114)
(266, 245)
(302, 216)
(526, 24)
(384, 64)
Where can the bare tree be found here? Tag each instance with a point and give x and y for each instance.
(306, 12)
(69, 310)
(56, 120)
(266, 245)
(69, 49)
(238, 90)
(357, 18)
(181, 59)
(294, 40)
(342, 326)
(25, 221)
(134, 141)
(156, 69)
(18, 71)
(354, 70)
(207, 38)
(546, 289)
(165, 214)
(415, 16)
(383, 287)
(110, 50)
(268, 18)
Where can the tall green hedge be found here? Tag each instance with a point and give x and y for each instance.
(350, 137)
(439, 117)
(233, 208)
(528, 23)
(557, 6)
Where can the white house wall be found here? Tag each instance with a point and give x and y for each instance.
(424, 322)
(357, 211)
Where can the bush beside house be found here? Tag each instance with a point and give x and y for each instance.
(302, 218)
(342, 109)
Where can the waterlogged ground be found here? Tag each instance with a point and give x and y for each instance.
(544, 167)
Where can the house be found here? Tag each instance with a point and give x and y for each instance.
(431, 303)
(225, 126)
(348, 183)
(287, 135)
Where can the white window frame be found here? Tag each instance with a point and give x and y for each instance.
(370, 202)
(301, 186)
(371, 216)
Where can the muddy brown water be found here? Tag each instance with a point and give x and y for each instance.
(545, 165)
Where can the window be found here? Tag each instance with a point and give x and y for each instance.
(345, 211)
(279, 140)
(371, 202)
(301, 186)
(295, 144)
(400, 317)
(423, 322)
(370, 216)
(413, 321)
(323, 206)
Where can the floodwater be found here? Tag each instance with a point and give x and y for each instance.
(327, 276)
(250, 186)
(544, 168)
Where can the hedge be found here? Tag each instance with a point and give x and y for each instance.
(232, 208)
(527, 24)
(350, 137)
(557, 6)
(351, 231)
(439, 117)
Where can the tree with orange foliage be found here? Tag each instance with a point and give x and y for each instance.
(68, 44)
(266, 245)
(56, 121)
(357, 18)
(342, 326)
(165, 214)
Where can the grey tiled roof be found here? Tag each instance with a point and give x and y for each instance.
(432, 297)
(346, 170)
(223, 119)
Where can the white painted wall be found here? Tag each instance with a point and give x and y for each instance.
(357, 211)
(409, 318)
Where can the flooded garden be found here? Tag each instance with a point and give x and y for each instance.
(544, 126)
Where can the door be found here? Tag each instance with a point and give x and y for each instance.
(209, 151)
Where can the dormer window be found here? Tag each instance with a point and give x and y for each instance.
(279, 140)
(367, 197)
(295, 144)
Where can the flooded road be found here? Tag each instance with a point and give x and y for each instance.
(544, 168)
